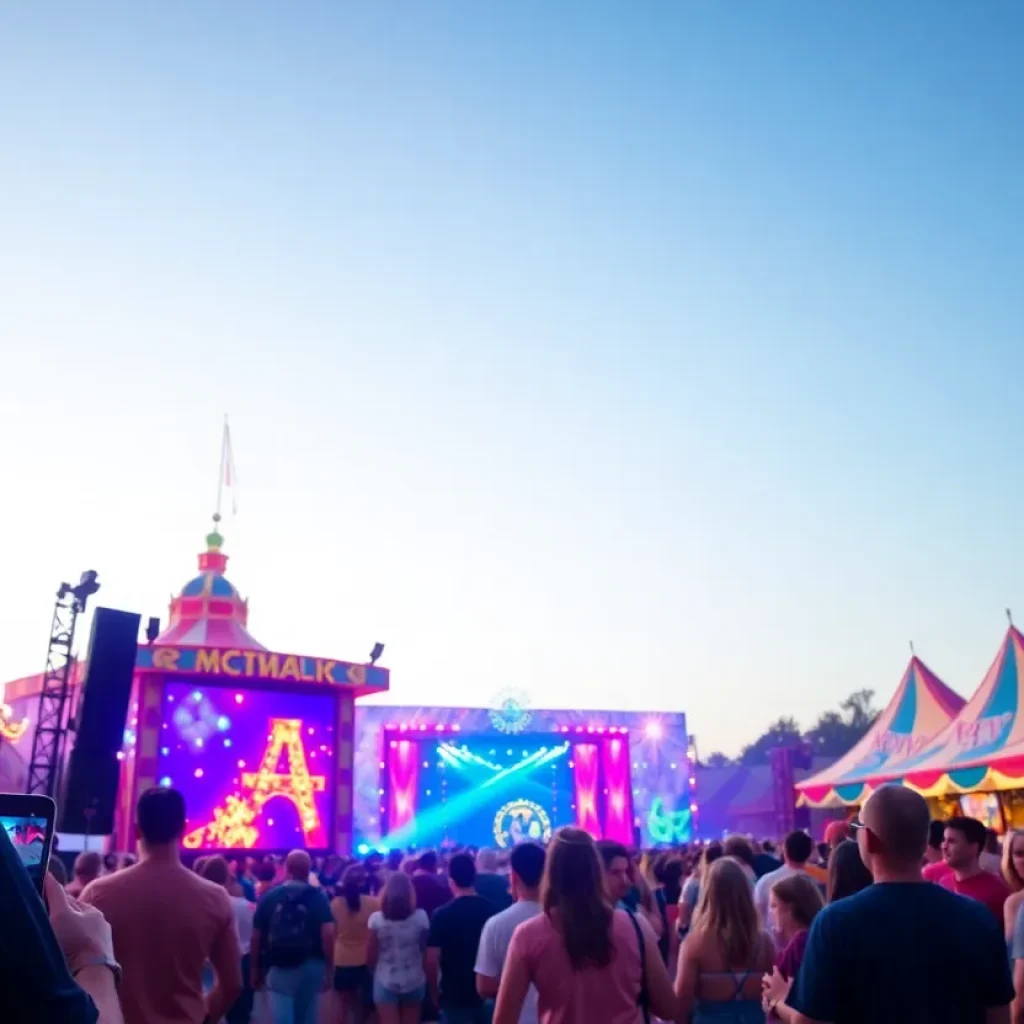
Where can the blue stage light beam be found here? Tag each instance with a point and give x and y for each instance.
(466, 803)
(464, 758)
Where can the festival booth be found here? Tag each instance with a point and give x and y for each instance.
(977, 760)
(922, 707)
(261, 744)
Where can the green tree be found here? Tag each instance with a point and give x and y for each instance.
(718, 760)
(860, 714)
(832, 735)
(783, 732)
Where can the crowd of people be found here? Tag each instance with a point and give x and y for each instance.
(895, 918)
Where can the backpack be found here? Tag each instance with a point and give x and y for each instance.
(289, 938)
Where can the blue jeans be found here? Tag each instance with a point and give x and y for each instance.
(295, 992)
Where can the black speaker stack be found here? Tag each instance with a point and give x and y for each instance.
(92, 774)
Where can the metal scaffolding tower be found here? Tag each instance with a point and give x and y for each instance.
(53, 720)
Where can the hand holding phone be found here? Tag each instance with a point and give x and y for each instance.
(82, 931)
(29, 823)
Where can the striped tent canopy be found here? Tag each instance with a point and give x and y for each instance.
(922, 706)
(982, 749)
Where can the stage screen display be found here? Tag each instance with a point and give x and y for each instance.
(491, 791)
(256, 767)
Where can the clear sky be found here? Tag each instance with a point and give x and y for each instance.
(649, 355)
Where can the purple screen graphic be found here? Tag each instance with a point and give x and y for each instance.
(212, 736)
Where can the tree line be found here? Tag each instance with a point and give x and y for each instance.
(832, 734)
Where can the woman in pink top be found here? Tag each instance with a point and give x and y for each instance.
(583, 957)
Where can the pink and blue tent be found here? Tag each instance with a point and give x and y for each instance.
(922, 707)
(982, 749)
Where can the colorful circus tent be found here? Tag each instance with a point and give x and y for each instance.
(982, 749)
(922, 706)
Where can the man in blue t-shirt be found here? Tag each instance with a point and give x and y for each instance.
(902, 951)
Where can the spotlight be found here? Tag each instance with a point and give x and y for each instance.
(87, 586)
(653, 730)
(378, 650)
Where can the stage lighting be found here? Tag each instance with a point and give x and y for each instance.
(653, 730)
(378, 650)
(87, 586)
(152, 629)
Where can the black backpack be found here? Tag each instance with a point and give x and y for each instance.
(290, 939)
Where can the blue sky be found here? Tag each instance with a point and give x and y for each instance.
(646, 355)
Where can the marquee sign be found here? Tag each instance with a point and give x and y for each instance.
(236, 665)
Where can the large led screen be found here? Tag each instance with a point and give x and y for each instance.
(492, 791)
(256, 767)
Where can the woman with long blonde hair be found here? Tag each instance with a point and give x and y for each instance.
(1013, 875)
(726, 953)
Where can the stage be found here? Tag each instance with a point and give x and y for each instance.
(430, 777)
(272, 752)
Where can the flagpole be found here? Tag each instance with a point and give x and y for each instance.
(223, 468)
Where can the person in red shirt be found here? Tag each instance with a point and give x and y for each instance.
(962, 845)
(935, 868)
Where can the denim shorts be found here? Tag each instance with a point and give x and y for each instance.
(384, 996)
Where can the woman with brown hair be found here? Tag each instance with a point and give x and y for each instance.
(724, 957)
(352, 909)
(588, 961)
(216, 870)
(847, 874)
(396, 950)
(793, 903)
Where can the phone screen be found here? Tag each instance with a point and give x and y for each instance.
(30, 838)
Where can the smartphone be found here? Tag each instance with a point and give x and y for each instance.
(28, 822)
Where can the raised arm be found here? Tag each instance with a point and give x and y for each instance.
(31, 961)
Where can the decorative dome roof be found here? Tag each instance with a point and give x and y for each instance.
(209, 612)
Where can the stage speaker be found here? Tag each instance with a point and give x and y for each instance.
(93, 771)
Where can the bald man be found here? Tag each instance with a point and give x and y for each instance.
(902, 951)
(292, 950)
